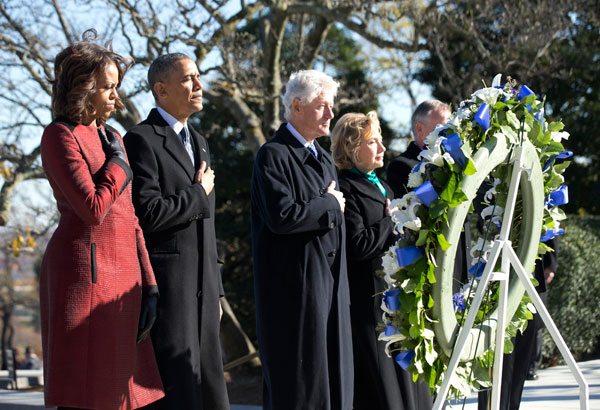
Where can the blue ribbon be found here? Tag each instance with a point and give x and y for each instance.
(391, 330)
(409, 255)
(551, 233)
(391, 299)
(540, 117)
(403, 359)
(477, 269)
(416, 168)
(482, 116)
(452, 146)
(524, 91)
(558, 197)
(426, 193)
(562, 155)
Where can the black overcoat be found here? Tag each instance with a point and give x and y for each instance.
(301, 283)
(379, 383)
(177, 218)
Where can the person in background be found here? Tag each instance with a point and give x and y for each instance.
(32, 361)
(98, 293)
(298, 244)
(357, 150)
(174, 197)
(426, 116)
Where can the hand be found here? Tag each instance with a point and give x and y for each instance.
(111, 145)
(205, 177)
(337, 194)
(548, 275)
(388, 211)
(147, 316)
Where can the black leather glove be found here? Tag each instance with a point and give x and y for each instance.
(111, 145)
(148, 311)
(115, 153)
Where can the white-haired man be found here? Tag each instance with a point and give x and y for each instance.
(298, 241)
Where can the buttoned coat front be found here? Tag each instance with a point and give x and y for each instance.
(91, 280)
(177, 218)
(301, 284)
(380, 384)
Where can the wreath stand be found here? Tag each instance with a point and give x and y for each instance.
(509, 259)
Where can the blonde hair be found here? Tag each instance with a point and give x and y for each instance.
(350, 130)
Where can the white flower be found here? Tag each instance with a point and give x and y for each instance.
(404, 214)
(390, 265)
(481, 249)
(558, 136)
(463, 113)
(490, 193)
(433, 155)
(495, 212)
(497, 80)
(434, 135)
(415, 179)
(488, 95)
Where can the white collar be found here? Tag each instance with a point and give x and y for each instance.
(172, 121)
(299, 137)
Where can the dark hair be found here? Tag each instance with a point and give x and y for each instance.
(75, 71)
(161, 67)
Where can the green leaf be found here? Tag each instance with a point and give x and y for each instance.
(530, 99)
(555, 126)
(422, 237)
(470, 167)
(449, 189)
(430, 302)
(508, 346)
(499, 105)
(431, 275)
(513, 120)
(444, 244)
(440, 176)
(415, 332)
(437, 208)
(536, 131)
(560, 168)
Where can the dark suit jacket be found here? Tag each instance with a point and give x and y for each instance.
(400, 167)
(380, 384)
(300, 279)
(177, 218)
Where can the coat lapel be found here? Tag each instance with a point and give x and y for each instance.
(366, 188)
(171, 142)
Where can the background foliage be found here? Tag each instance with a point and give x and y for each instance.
(573, 294)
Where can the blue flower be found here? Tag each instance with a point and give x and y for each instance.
(459, 302)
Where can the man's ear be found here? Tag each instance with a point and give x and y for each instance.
(160, 90)
(296, 105)
(419, 129)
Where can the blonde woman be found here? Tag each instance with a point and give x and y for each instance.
(357, 149)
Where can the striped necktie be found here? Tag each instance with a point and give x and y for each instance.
(313, 150)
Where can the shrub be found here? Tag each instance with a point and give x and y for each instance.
(573, 294)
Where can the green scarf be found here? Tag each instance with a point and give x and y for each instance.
(372, 177)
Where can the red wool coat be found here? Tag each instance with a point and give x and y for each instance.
(91, 281)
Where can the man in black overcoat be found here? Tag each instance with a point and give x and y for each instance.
(298, 244)
(175, 202)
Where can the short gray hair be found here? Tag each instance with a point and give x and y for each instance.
(161, 67)
(423, 110)
(306, 85)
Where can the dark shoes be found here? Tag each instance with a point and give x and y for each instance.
(532, 375)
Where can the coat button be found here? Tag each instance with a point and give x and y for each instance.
(199, 293)
(332, 225)
(322, 191)
(332, 254)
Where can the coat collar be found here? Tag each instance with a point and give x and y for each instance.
(365, 187)
(171, 141)
(300, 151)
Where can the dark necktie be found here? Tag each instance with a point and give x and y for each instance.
(185, 138)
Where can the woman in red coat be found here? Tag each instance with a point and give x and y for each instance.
(97, 288)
